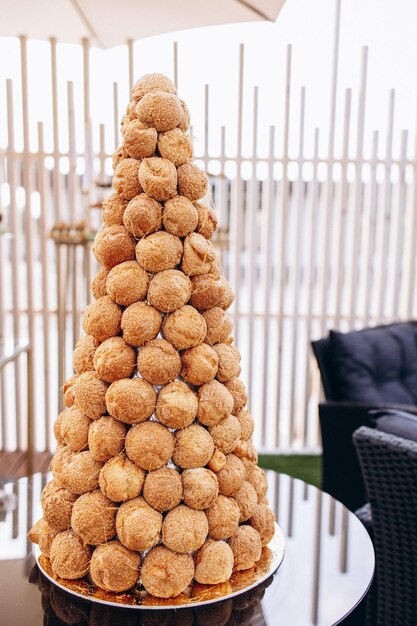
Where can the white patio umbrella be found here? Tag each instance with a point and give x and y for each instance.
(109, 23)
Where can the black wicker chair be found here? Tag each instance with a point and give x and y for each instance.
(389, 466)
(340, 417)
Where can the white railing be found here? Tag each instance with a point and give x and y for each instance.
(309, 242)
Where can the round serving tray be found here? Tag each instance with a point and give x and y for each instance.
(197, 595)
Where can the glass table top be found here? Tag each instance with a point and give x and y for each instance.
(325, 574)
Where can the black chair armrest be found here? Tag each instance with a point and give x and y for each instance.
(365, 516)
(342, 476)
(380, 408)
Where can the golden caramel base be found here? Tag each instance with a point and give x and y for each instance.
(271, 559)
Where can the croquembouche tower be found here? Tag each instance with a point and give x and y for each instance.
(155, 479)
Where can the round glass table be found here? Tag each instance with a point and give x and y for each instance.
(327, 569)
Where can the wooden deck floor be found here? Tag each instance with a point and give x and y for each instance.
(15, 464)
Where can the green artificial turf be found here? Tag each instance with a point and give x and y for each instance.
(307, 467)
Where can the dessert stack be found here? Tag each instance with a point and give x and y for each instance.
(155, 478)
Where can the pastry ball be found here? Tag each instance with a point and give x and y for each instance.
(158, 362)
(199, 364)
(150, 445)
(193, 447)
(149, 83)
(251, 453)
(120, 152)
(256, 477)
(186, 118)
(139, 139)
(246, 547)
(98, 284)
(143, 216)
(94, 518)
(102, 319)
(207, 290)
(246, 424)
(140, 323)
(184, 328)
(126, 179)
(114, 359)
(238, 391)
(200, 487)
(180, 216)
(57, 504)
(160, 109)
(215, 403)
(127, 283)
(74, 429)
(199, 255)
(176, 146)
(163, 489)
(69, 557)
(83, 355)
(68, 391)
(246, 451)
(42, 534)
(192, 181)
(217, 461)
(131, 400)
(169, 290)
(114, 568)
(226, 434)
(219, 325)
(138, 525)
(113, 208)
(61, 456)
(207, 220)
(247, 459)
(106, 438)
(120, 479)
(57, 428)
(247, 501)
(223, 518)
(232, 476)
(184, 529)
(90, 395)
(228, 295)
(177, 405)
(213, 563)
(130, 110)
(113, 245)
(229, 362)
(158, 178)
(76, 471)
(263, 521)
(165, 574)
(160, 251)
(241, 449)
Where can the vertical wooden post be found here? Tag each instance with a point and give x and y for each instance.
(282, 250)
(14, 256)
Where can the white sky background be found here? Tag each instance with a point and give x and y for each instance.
(210, 55)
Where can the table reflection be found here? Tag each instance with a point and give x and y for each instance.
(61, 607)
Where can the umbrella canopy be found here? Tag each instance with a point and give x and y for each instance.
(108, 23)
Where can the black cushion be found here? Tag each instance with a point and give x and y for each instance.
(322, 352)
(376, 365)
(398, 423)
